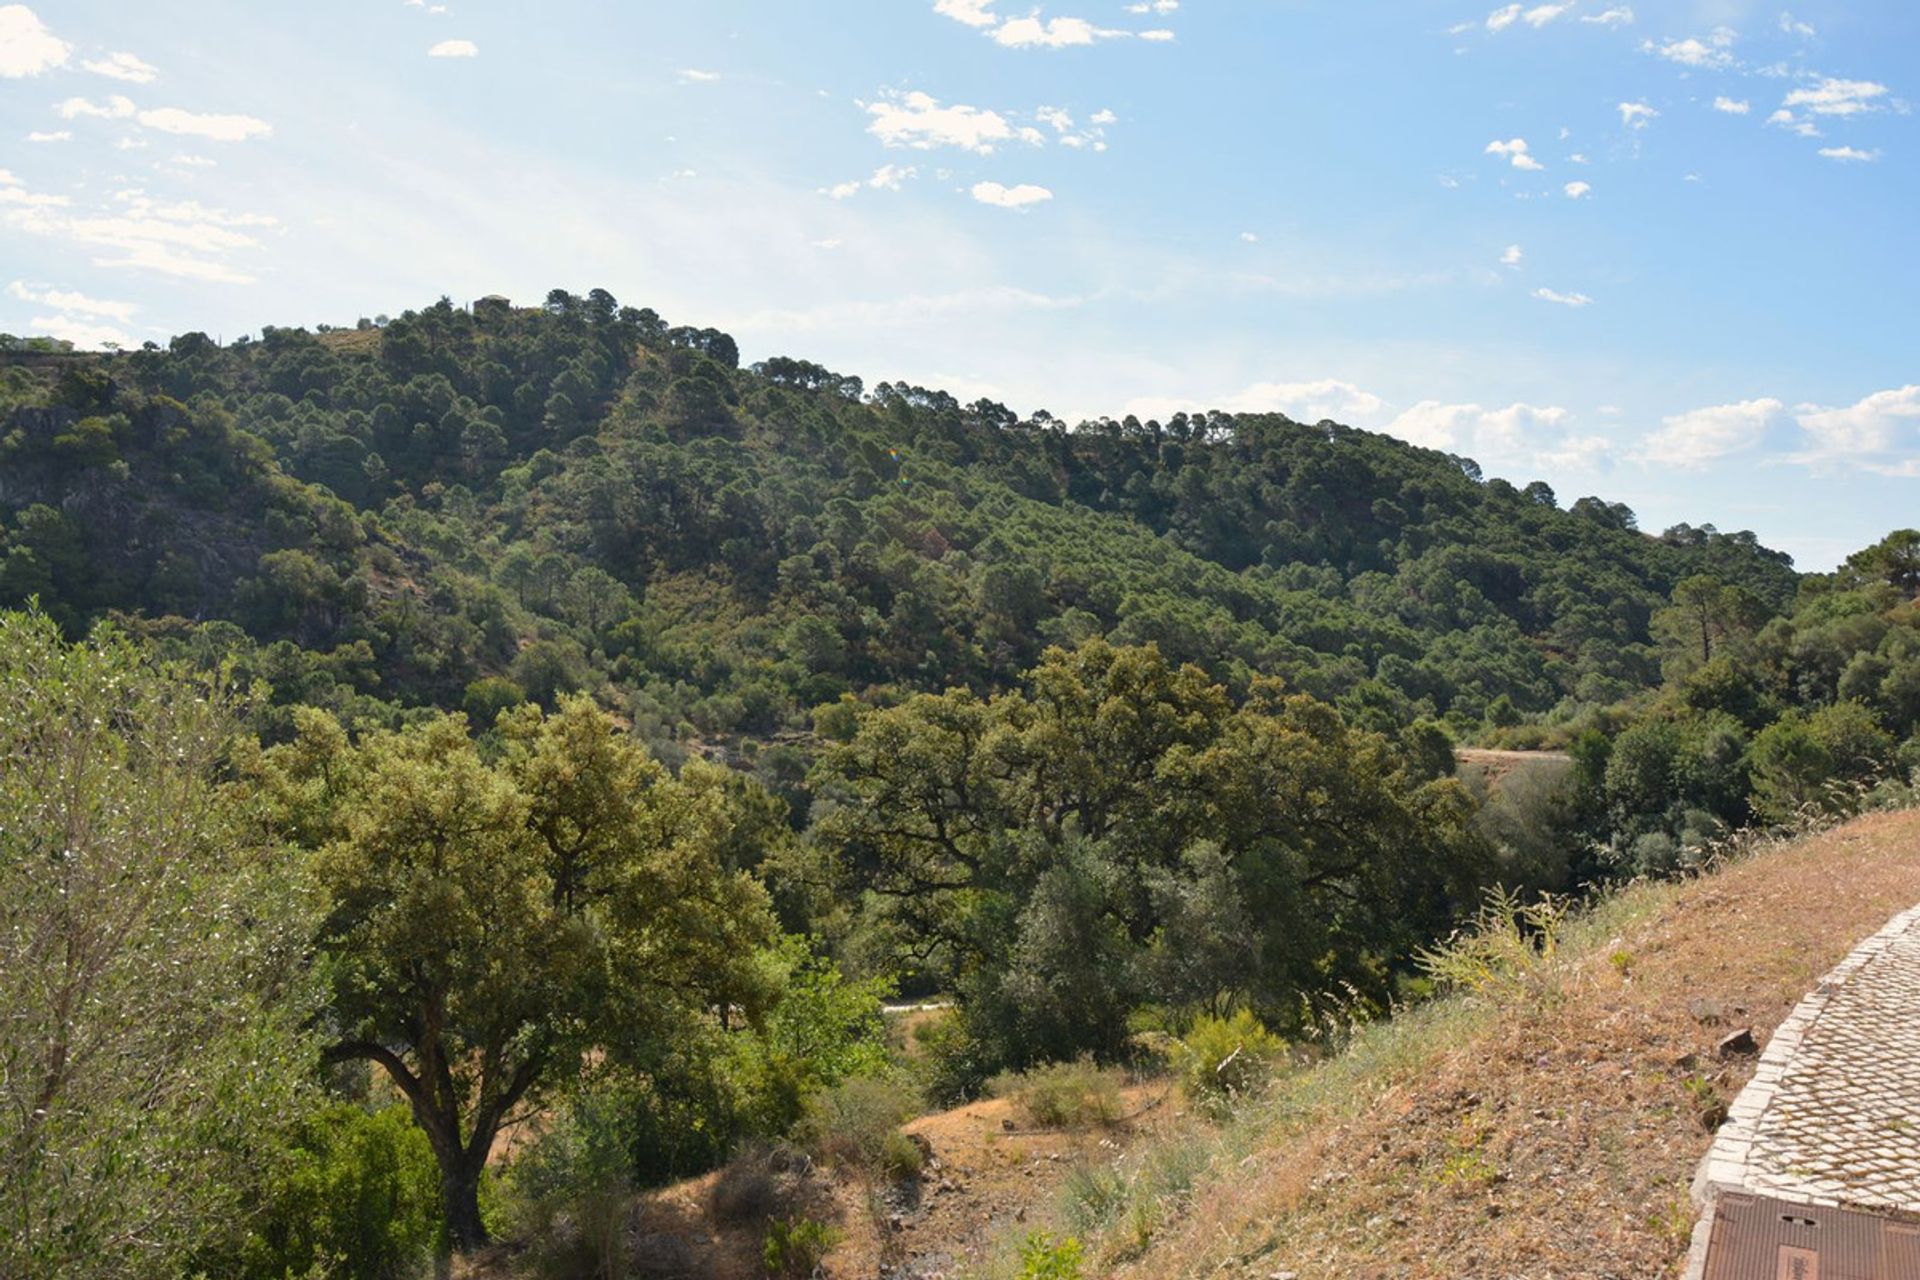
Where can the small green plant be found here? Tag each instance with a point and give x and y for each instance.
(901, 1157)
(1063, 1095)
(1703, 1096)
(795, 1248)
(1221, 1060)
(1503, 947)
(1044, 1258)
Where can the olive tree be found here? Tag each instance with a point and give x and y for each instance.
(149, 954)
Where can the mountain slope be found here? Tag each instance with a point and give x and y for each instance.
(578, 495)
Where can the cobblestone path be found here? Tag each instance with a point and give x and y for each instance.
(1832, 1114)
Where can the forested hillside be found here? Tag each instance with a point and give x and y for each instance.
(459, 508)
(579, 725)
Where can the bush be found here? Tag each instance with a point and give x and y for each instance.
(854, 1124)
(758, 1184)
(572, 1190)
(1063, 1095)
(796, 1247)
(1044, 1258)
(355, 1196)
(1220, 1060)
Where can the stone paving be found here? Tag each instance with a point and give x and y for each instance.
(1832, 1114)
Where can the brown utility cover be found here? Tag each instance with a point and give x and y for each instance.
(1755, 1238)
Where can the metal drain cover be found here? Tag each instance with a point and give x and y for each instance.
(1756, 1238)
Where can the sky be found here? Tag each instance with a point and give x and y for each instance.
(1662, 252)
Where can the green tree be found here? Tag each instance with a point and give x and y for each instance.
(490, 925)
(148, 964)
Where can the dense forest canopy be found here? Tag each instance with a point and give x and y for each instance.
(457, 506)
(572, 719)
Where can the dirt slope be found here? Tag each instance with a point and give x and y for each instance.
(1552, 1133)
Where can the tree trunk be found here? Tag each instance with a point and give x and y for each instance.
(460, 1198)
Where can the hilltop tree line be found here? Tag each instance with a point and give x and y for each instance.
(556, 710)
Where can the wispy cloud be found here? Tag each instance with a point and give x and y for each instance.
(1714, 52)
(1692, 440)
(453, 49)
(1839, 98)
(1574, 300)
(123, 66)
(1636, 115)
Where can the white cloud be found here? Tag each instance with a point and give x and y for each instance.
(1713, 52)
(887, 177)
(1866, 433)
(123, 66)
(1794, 27)
(1513, 256)
(1732, 106)
(1054, 116)
(1249, 237)
(78, 303)
(1839, 97)
(1520, 435)
(1053, 33)
(182, 239)
(1301, 401)
(27, 48)
(1785, 119)
(693, 75)
(1515, 151)
(1578, 190)
(1574, 300)
(193, 161)
(1849, 154)
(972, 12)
(1158, 36)
(1154, 6)
(114, 108)
(217, 128)
(20, 197)
(1634, 115)
(1501, 19)
(1002, 197)
(919, 121)
(454, 49)
(56, 135)
(1618, 16)
(86, 334)
(1102, 116)
(1691, 440)
(1540, 15)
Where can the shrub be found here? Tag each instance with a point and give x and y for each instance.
(757, 1185)
(572, 1190)
(796, 1247)
(1063, 1095)
(854, 1124)
(1222, 1059)
(356, 1194)
(902, 1156)
(1044, 1258)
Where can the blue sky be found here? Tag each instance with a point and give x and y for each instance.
(1663, 252)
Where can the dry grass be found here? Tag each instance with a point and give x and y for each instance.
(1549, 1128)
